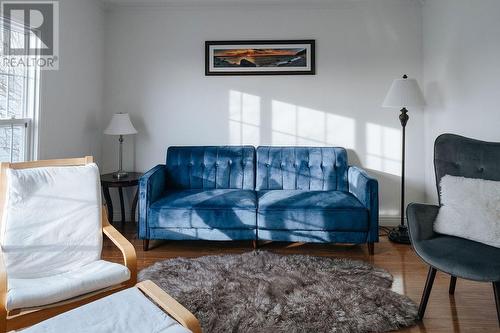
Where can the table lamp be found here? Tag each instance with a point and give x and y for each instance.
(403, 93)
(120, 125)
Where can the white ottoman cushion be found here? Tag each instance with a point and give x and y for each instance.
(126, 311)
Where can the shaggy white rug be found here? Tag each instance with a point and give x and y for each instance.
(266, 292)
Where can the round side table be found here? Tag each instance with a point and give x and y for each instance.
(107, 181)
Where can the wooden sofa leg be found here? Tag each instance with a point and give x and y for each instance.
(371, 248)
(427, 292)
(255, 244)
(145, 245)
(453, 284)
(496, 290)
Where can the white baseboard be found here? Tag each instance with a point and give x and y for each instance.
(389, 221)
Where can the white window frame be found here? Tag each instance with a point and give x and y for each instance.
(30, 112)
(27, 135)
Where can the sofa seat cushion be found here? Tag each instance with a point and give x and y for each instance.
(125, 311)
(219, 209)
(100, 274)
(311, 210)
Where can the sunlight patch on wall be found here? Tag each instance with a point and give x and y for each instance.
(298, 125)
(341, 131)
(244, 118)
(284, 123)
(383, 149)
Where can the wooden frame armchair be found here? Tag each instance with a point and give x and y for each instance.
(19, 318)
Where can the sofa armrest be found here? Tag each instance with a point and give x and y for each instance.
(365, 189)
(421, 219)
(151, 186)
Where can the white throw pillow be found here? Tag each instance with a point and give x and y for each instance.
(470, 209)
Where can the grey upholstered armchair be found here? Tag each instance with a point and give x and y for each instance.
(456, 156)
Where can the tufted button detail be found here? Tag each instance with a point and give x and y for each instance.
(295, 165)
(216, 164)
(267, 165)
(190, 164)
(309, 166)
(229, 162)
(480, 169)
(282, 165)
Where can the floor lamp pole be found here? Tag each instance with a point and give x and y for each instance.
(400, 234)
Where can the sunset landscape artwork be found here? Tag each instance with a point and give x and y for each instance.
(258, 57)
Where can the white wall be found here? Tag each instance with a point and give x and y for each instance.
(461, 73)
(155, 71)
(72, 97)
(153, 68)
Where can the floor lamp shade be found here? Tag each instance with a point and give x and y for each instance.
(402, 94)
(120, 125)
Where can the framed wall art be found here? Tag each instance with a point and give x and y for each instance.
(260, 57)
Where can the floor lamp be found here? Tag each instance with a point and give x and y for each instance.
(403, 93)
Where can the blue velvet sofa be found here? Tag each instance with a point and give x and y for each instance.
(296, 194)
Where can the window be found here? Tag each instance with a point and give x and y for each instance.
(18, 103)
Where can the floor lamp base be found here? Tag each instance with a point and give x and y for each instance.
(399, 235)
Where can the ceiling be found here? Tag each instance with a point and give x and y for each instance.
(157, 2)
(237, 2)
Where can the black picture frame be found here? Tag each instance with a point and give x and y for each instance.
(308, 69)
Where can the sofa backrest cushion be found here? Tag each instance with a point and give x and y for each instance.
(52, 220)
(301, 168)
(211, 167)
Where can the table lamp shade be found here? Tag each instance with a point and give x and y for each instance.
(404, 93)
(120, 125)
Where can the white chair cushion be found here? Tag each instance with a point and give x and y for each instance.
(126, 311)
(470, 209)
(52, 220)
(25, 293)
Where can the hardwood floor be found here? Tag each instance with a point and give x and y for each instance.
(472, 309)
